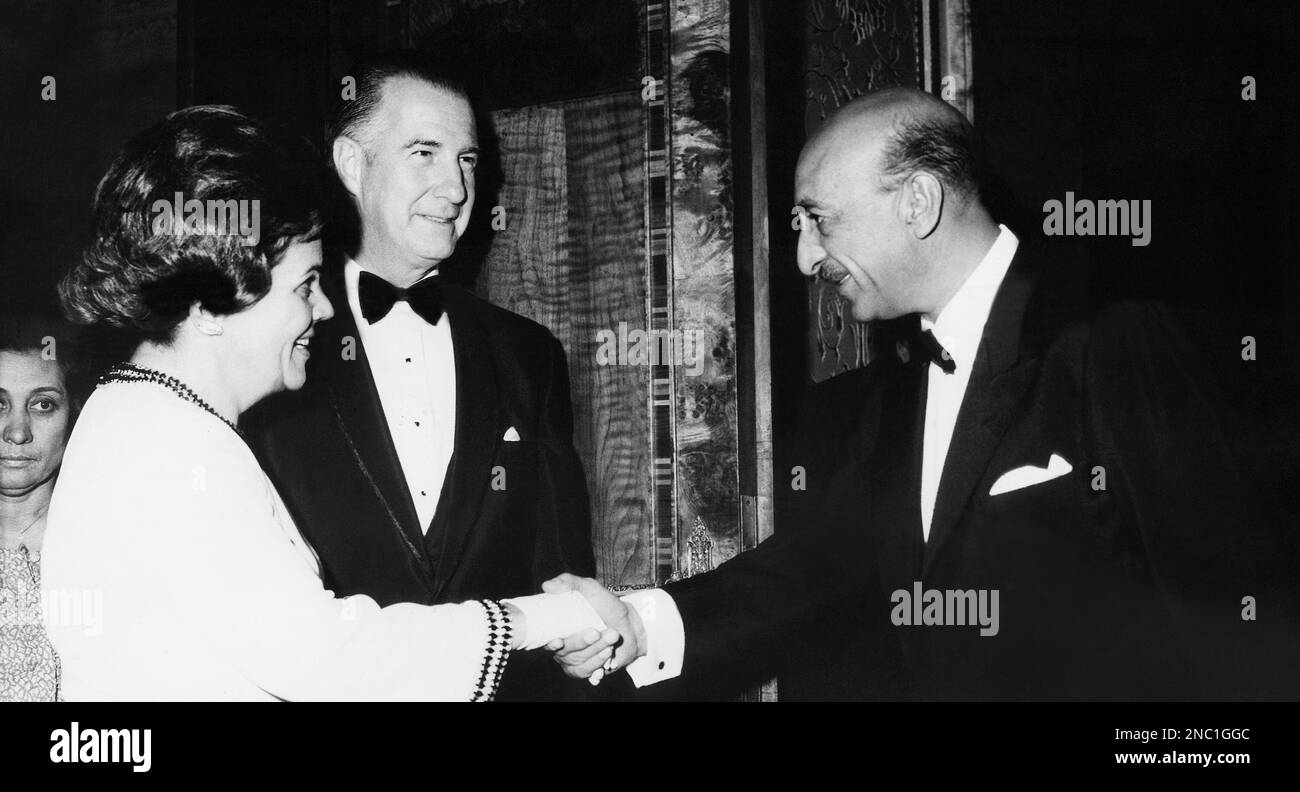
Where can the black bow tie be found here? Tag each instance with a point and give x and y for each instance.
(378, 297)
(935, 352)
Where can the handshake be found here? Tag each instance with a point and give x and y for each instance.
(591, 654)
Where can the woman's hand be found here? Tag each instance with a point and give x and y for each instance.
(592, 654)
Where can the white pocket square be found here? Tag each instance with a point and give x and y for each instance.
(1029, 475)
(511, 436)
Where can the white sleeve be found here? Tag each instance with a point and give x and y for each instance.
(551, 616)
(665, 637)
(264, 608)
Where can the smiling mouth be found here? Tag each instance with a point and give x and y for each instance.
(440, 220)
(303, 345)
(831, 272)
(826, 277)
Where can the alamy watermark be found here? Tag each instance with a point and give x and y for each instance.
(62, 608)
(179, 217)
(1085, 217)
(637, 347)
(946, 608)
(119, 746)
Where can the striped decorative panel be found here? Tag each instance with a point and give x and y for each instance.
(659, 286)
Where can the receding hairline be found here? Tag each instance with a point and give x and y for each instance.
(864, 135)
(893, 105)
(363, 130)
(880, 112)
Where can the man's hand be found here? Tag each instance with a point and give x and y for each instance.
(589, 654)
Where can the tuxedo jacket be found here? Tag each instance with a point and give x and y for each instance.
(1125, 578)
(328, 449)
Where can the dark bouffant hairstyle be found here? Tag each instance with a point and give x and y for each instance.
(141, 273)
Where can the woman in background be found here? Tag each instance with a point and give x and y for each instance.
(36, 413)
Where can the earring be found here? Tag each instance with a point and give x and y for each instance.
(209, 327)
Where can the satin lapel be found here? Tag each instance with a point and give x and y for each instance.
(478, 432)
(1004, 370)
(350, 389)
(895, 477)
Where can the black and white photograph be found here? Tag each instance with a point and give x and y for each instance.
(876, 352)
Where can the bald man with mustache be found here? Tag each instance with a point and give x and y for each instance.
(1015, 503)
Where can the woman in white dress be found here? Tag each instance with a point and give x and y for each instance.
(172, 569)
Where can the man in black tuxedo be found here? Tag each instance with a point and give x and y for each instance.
(1012, 503)
(429, 459)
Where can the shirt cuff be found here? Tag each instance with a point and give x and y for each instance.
(551, 616)
(665, 637)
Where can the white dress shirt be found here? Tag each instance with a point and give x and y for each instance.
(958, 327)
(414, 368)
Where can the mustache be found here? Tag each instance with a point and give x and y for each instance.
(830, 272)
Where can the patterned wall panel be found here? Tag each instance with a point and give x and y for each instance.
(619, 220)
(606, 167)
(948, 59)
(854, 47)
(570, 257)
(703, 284)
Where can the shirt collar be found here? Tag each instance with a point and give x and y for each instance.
(960, 324)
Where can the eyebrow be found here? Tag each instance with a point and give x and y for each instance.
(413, 142)
(42, 389)
(809, 203)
